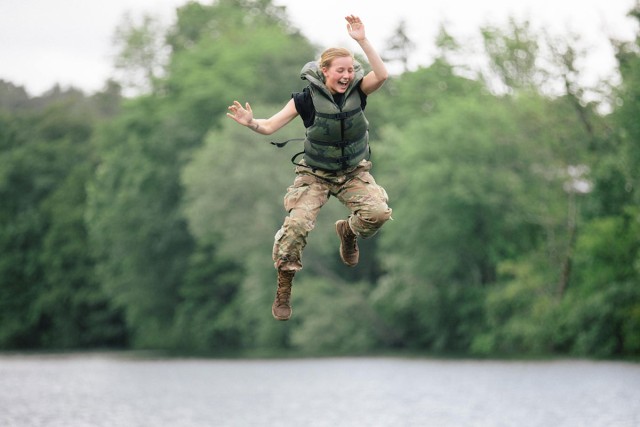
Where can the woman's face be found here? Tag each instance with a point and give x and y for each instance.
(339, 74)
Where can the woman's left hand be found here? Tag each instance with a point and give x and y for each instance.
(355, 27)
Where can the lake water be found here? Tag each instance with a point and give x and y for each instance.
(107, 390)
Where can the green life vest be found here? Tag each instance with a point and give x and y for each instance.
(338, 139)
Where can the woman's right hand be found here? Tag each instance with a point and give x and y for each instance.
(244, 116)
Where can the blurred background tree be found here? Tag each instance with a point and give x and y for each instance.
(146, 220)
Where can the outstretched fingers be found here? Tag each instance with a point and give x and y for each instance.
(239, 114)
(352, 19)
(355, 27)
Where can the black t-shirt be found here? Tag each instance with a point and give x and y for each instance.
(304, 104)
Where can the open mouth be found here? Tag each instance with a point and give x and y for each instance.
(343, 84)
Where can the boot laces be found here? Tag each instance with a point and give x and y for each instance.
(350, 239)
(283, 293)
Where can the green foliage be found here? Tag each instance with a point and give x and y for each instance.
(135, 213)
(419, 315)
(598, 316)
(72, 302)
(608, 250)
(318, 303)
(418, 95)
(50, 297)
(230, 56)
(602, 324)
(206, 316)
(519, 314)
(234, 192)
(466, 230)
(148, 223)
(138, 234)
(605, 294)
(626, 116)
(233, 202)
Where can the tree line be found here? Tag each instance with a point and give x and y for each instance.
(146, 221)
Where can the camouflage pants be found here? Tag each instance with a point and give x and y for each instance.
(356, 189)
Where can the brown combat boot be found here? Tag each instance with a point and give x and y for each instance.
(281, 308)
(348, 243)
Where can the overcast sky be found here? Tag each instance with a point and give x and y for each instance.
(44, 42)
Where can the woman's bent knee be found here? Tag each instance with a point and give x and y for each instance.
(366, 224)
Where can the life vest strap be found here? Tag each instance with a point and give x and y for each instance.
(341, 115)
(339, 144)
(338, 160)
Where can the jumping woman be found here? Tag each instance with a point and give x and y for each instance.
(335, 161)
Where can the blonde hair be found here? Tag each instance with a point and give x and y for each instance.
(332, 53)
